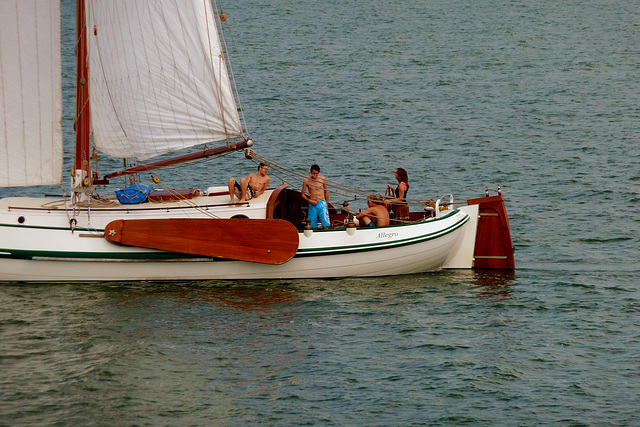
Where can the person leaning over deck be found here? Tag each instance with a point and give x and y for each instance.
(250, 187)
(317, 198)
(377, 215)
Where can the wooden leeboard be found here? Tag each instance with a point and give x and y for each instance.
(268, 241)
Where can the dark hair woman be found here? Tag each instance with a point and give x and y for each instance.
(396, 198)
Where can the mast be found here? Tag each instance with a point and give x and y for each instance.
(81, 174)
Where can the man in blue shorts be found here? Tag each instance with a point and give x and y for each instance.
(317, 198)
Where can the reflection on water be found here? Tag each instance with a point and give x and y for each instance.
(495, 283)
(243, 296)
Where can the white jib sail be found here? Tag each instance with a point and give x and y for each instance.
(158, 81)
(31, 93)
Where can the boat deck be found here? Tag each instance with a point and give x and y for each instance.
(217, 199)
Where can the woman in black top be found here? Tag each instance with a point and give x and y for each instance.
(399, 202)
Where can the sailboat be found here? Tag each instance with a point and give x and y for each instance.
(152, 79)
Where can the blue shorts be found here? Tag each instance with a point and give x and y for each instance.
(319, 211)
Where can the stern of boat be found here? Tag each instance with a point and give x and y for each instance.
(486, 242)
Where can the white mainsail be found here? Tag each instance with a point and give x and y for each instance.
(158, 81)
(31, 93)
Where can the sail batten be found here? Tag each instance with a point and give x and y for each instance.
(30, 93)
(158, 82)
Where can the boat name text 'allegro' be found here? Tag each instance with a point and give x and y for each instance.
(386, 235)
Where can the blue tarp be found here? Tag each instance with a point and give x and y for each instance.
(133, 194)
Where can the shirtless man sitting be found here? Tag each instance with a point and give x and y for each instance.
(377, 215)
(250, 187)
(317, 198)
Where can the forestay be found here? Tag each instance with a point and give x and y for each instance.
(158, 80)
(31, 93)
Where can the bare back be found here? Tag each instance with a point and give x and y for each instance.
(376, 213)
(381, 215)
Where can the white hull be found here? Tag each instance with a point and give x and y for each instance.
(37, 245)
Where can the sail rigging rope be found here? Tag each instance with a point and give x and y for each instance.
(294, 178)
(203, 210)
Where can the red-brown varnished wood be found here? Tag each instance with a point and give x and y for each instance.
(268, 241)
(209, 152)
(82, 123)
(494, 248)
(177, 194)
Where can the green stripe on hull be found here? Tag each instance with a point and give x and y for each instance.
(31, 254)
(380, 245)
